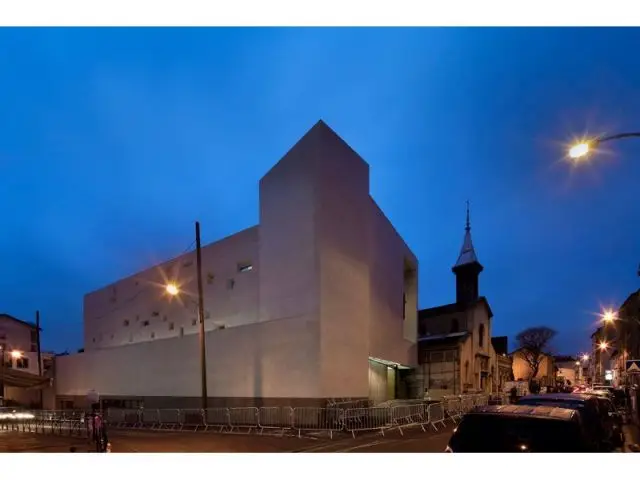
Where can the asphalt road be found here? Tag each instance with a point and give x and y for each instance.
(139, 441)
(412, 440)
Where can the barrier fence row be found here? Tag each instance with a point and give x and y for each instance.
(69, 423)
(264, 419)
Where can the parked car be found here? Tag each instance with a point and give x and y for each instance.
(611, 418)
(515, 428)
(587, 406)
(603, 387)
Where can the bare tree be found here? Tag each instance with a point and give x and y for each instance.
(532, 343)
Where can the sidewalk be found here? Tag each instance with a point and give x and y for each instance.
(632, 436)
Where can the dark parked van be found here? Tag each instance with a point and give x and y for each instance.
(524, 429)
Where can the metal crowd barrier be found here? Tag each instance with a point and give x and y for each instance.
(251, 419)
(453, 408)
(70, 423)
(275, 418)
(367, 419)
(409, 415)
(311, 419)
(436, 415)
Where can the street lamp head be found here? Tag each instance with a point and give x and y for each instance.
(172, 289)
(603, 346)
(579, 150)
(609, 316)
(16, 354)
(585, 357)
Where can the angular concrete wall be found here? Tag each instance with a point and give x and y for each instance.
(325, 293)
(268, 360)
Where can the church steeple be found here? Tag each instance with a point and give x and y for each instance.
(467, 268)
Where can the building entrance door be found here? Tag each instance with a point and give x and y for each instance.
(391, 383)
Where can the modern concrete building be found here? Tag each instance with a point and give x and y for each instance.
(317, 301)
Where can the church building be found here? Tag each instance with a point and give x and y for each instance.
(455, 351)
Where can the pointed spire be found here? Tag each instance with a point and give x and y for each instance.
(467, 253)
(468, 227)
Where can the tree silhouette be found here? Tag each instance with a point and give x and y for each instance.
(532, 343)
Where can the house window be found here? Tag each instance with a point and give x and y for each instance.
(153, 335)
(481, 335)
(145, 323)
(22, 362)
(244, 267)
(455, 325)
(193, 321)
(171, 326)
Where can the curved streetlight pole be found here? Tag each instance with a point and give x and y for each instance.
(585, 147)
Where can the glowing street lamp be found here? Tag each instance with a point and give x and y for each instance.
(16, 354)
(603, 346)
(581, 150)
(585, 357)
(172, 289)
(609, 316)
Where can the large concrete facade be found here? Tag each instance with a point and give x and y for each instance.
(295, 307)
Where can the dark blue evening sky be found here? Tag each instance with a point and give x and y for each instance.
(113, 141)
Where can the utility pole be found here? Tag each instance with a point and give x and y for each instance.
(39, 354)
(203, 353)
